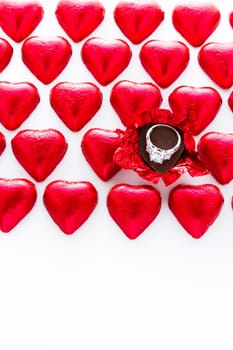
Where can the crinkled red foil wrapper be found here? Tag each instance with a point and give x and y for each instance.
(127, 155)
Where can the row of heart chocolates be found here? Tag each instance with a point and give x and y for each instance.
(107, 151)
(132, 207)
(106, 59)
(194, 21)
(77, 103)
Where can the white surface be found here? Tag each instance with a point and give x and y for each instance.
(97, 290)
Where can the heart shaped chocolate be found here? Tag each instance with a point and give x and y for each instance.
(79, 18)
(98, 147)
(17, 102)
(70, 203)
(160, 146)
(216, 61)
(39, 151)
(133, 207)
(6, 52)
(196, 207)
(164, 61)
(17, 199)
(106, 58)
(198, 106)
(196, 21)
(215, 150)
(130, 99)
(231, 18)
(46, 57)
(75, 103)
(18, 19)
(138, 19)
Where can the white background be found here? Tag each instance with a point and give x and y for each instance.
(97, 290)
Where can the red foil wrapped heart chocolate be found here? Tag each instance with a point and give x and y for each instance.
(39, 151)
(133, 207)
(18, 19)
(215, 150)
(216, 60)
(106, 58)
(137, 20)
(196, 207)
(46, 57)
(196, 21)
(70, 203)
(75, 103)
(164, 61)
(17, 102)
(2, 143)
(79, 18)
(98, 147)
(230, 101)
(17, 198)
(231, 18)
(198, 105)
(130, 99)
(6, 52)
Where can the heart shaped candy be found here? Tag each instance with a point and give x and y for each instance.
(106, 58)
(231, 18)
(196, 21)
(198, 105)
(164, 61)
(17, 102)
(2, 143)
(133, 207)
(6, 52)
(17, 198)
(130, 99)
(98, 147)
(18, 19)
(196, 207)
(154, 141)
(75, 103)
(46, 57)
(79, 18)
(216, 61)
(215, 150)
(70, 203)
(39, 151)
(137, 20)
(230, 101)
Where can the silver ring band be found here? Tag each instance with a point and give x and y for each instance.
(159, 155)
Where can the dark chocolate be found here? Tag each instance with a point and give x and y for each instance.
(163, 137)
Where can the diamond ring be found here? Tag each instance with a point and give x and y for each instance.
(156, 153)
